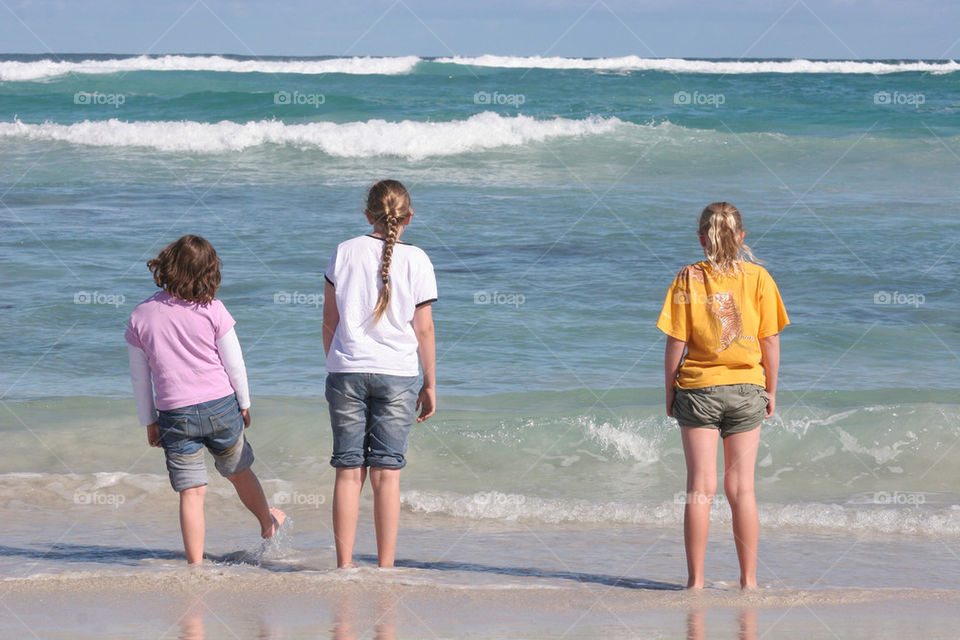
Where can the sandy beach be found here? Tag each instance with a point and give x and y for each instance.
(363, 603)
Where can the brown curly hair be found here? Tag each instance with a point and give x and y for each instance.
(188, 268)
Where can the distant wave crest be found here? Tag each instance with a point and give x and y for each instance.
(12, 70)
(680, 65)
(410, 139)
(26, 71)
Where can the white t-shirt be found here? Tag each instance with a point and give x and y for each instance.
(389, 346)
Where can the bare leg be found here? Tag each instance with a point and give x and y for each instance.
(346, 510)
(700, 451)
(251, 495)
(740, 457)
(386, 512)
(192, 525)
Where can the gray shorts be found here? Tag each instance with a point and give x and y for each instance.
(731, 408)
(216, 425)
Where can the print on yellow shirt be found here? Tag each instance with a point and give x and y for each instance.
(721, 318)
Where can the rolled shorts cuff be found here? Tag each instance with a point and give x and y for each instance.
(187, 470)
(355, 461)
(237, 459)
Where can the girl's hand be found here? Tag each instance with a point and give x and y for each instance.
(671, 394)
(246, 417)
(426, 403)
(153, 434)
(771, 403)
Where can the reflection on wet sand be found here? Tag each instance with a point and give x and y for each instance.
(697, 627)
(348, 624)
(193, 626)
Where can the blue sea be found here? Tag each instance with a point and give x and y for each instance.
(557, 198)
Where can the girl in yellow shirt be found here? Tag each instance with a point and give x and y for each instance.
(722, 316)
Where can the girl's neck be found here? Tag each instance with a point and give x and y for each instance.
(381, 234)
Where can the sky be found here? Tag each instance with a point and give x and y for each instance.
(847, 29)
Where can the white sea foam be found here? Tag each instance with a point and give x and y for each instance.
(11, 70)
(678, 65)
(15, 70)
(628, 443)
(492, 505)
(409, 139)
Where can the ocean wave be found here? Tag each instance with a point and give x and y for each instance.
(494, 505)
(926, 513)
(408, 139)
(680, 65)
(642, 443)
(26, 71)
(18, 71)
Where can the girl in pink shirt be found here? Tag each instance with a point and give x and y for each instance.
(190, 384)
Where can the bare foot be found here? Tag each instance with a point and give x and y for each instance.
(277, 518)
(349, 565)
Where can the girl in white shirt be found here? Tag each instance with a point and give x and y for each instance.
(377, 329)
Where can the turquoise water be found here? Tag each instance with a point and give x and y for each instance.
(577, 206)
(556, 205)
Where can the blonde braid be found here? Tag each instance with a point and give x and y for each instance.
(389, 203)
(721, 224)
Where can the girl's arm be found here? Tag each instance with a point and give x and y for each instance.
(672, 356)
(770, 359)
(331, 316)
(427, 348)
(143, 393)
(232, 358)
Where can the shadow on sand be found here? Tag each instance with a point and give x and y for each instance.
(591, 578)
(132, 556)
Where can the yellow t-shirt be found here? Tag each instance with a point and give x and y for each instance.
(722, 318)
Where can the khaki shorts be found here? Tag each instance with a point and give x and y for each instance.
(731, 408)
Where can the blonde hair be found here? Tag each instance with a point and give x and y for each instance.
(720, 226)
(388, 204)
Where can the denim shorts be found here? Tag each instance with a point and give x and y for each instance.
(371, 415)
(216, 425)
(731, 408)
